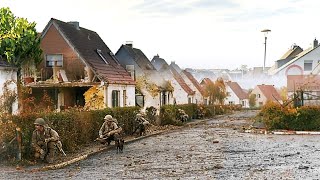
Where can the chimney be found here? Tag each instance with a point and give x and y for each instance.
(129, 43)
(315, 43)
(75, 24)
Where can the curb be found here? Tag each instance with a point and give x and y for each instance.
(296, 132)
(283, 132)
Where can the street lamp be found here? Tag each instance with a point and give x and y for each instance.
(265, 31)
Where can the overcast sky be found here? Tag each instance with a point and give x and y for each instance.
(193, 33)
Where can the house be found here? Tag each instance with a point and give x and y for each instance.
(264, 93)
(200, 96)
(236, 95)
(300, 62)
(152, 86)
(76, 59)
(8, 91)
(192, 83)
(306, 85)
(182, 94)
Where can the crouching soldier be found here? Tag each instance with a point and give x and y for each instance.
(109, 131)
(182, 115)
(44, 140)
(141, 124)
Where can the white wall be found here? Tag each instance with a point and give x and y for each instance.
(5, 75)
(260, 101)
(232, 97)
(293, 68)
(179, 93)
(150, 100)
(130, 92)
(235, 99)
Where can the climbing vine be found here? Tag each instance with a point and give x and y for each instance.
(8, 97)
(94, 98)
(142, 82)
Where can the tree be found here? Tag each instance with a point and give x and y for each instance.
(19, 41)
(252, 98)
(216, 91)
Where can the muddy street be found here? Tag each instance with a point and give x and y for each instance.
(212, 150)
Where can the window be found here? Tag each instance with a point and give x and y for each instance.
(115, 98)
(124, 97)
(102, 56)
(164, 98)
(52, 58)
(308, 65)
(189, 100)
(258, 95)
(205, 101)
(139, 100)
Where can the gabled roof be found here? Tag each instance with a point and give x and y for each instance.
(159, 63)
(139, 57)
(181, 82)
(206, 81)
(194, 82)
(176, 67)
(235, 87)
(90, 48)
(292, 52)
(269, 92)
(300, 55)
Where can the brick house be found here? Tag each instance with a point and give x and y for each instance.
(76, 59)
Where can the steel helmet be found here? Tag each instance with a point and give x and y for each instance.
(108, 117)
(40, 121)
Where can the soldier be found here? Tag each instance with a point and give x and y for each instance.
(109, 131)
(182, 115)
(142, 123)
(44, 140)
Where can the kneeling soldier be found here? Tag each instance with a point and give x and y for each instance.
(109, 131)
(44, 140)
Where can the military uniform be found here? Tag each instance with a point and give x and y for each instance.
(109, 130)
(142, 123)
(43, 143)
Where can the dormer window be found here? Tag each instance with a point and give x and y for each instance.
(51, 58)
(113, 57)
(102, 56)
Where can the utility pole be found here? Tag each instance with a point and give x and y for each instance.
(265, 31)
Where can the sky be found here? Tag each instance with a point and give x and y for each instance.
(202, 34)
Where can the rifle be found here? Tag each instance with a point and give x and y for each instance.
(59, 147)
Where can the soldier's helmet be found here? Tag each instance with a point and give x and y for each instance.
(108, 118)
(40, 121)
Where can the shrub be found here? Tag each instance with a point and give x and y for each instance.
(276, 117)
